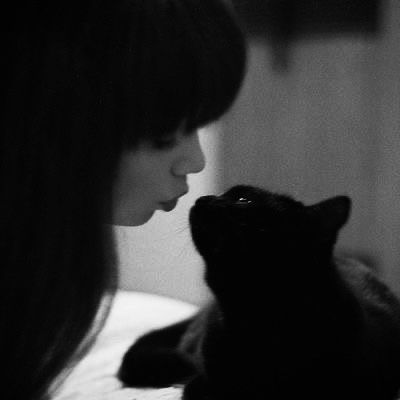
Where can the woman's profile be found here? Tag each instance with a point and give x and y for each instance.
(101, 105)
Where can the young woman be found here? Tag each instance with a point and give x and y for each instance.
(101, 105)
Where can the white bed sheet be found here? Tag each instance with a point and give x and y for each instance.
(132, 314)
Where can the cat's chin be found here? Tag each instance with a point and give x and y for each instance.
(212, 233)
(210, 248)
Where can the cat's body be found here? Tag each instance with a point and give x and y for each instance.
(288, 320)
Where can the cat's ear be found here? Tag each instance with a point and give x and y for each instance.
(332, 213)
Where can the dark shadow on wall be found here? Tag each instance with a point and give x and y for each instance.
(281, 22)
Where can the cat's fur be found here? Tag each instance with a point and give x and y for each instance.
(288, 321)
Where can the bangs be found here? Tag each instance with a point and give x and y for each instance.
(189, 68)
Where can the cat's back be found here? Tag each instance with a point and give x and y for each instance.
(379, 343)
(370, 290)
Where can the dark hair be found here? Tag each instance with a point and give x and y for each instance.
(82, 82)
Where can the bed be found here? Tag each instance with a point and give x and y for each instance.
(132, 314)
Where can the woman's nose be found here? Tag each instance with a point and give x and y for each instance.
(191, 160)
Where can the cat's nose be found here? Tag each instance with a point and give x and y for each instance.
(205, 200)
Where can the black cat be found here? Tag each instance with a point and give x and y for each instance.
(289, 320)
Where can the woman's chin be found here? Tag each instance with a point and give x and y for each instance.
(133, 220)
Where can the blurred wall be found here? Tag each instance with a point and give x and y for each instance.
(328, 125)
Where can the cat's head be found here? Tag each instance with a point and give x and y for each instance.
(248, 225)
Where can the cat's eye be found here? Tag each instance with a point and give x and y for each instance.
(243, 201)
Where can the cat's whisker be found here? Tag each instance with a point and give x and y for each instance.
(182, 229)
(186, 248)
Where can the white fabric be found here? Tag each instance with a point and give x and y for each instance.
(132, 314)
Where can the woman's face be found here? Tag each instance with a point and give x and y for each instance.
(153, 177)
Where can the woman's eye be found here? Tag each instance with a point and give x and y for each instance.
(243, 201)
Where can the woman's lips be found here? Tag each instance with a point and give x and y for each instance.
(169, 205)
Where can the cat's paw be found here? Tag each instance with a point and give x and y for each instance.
(155, 368)
(199, 389)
